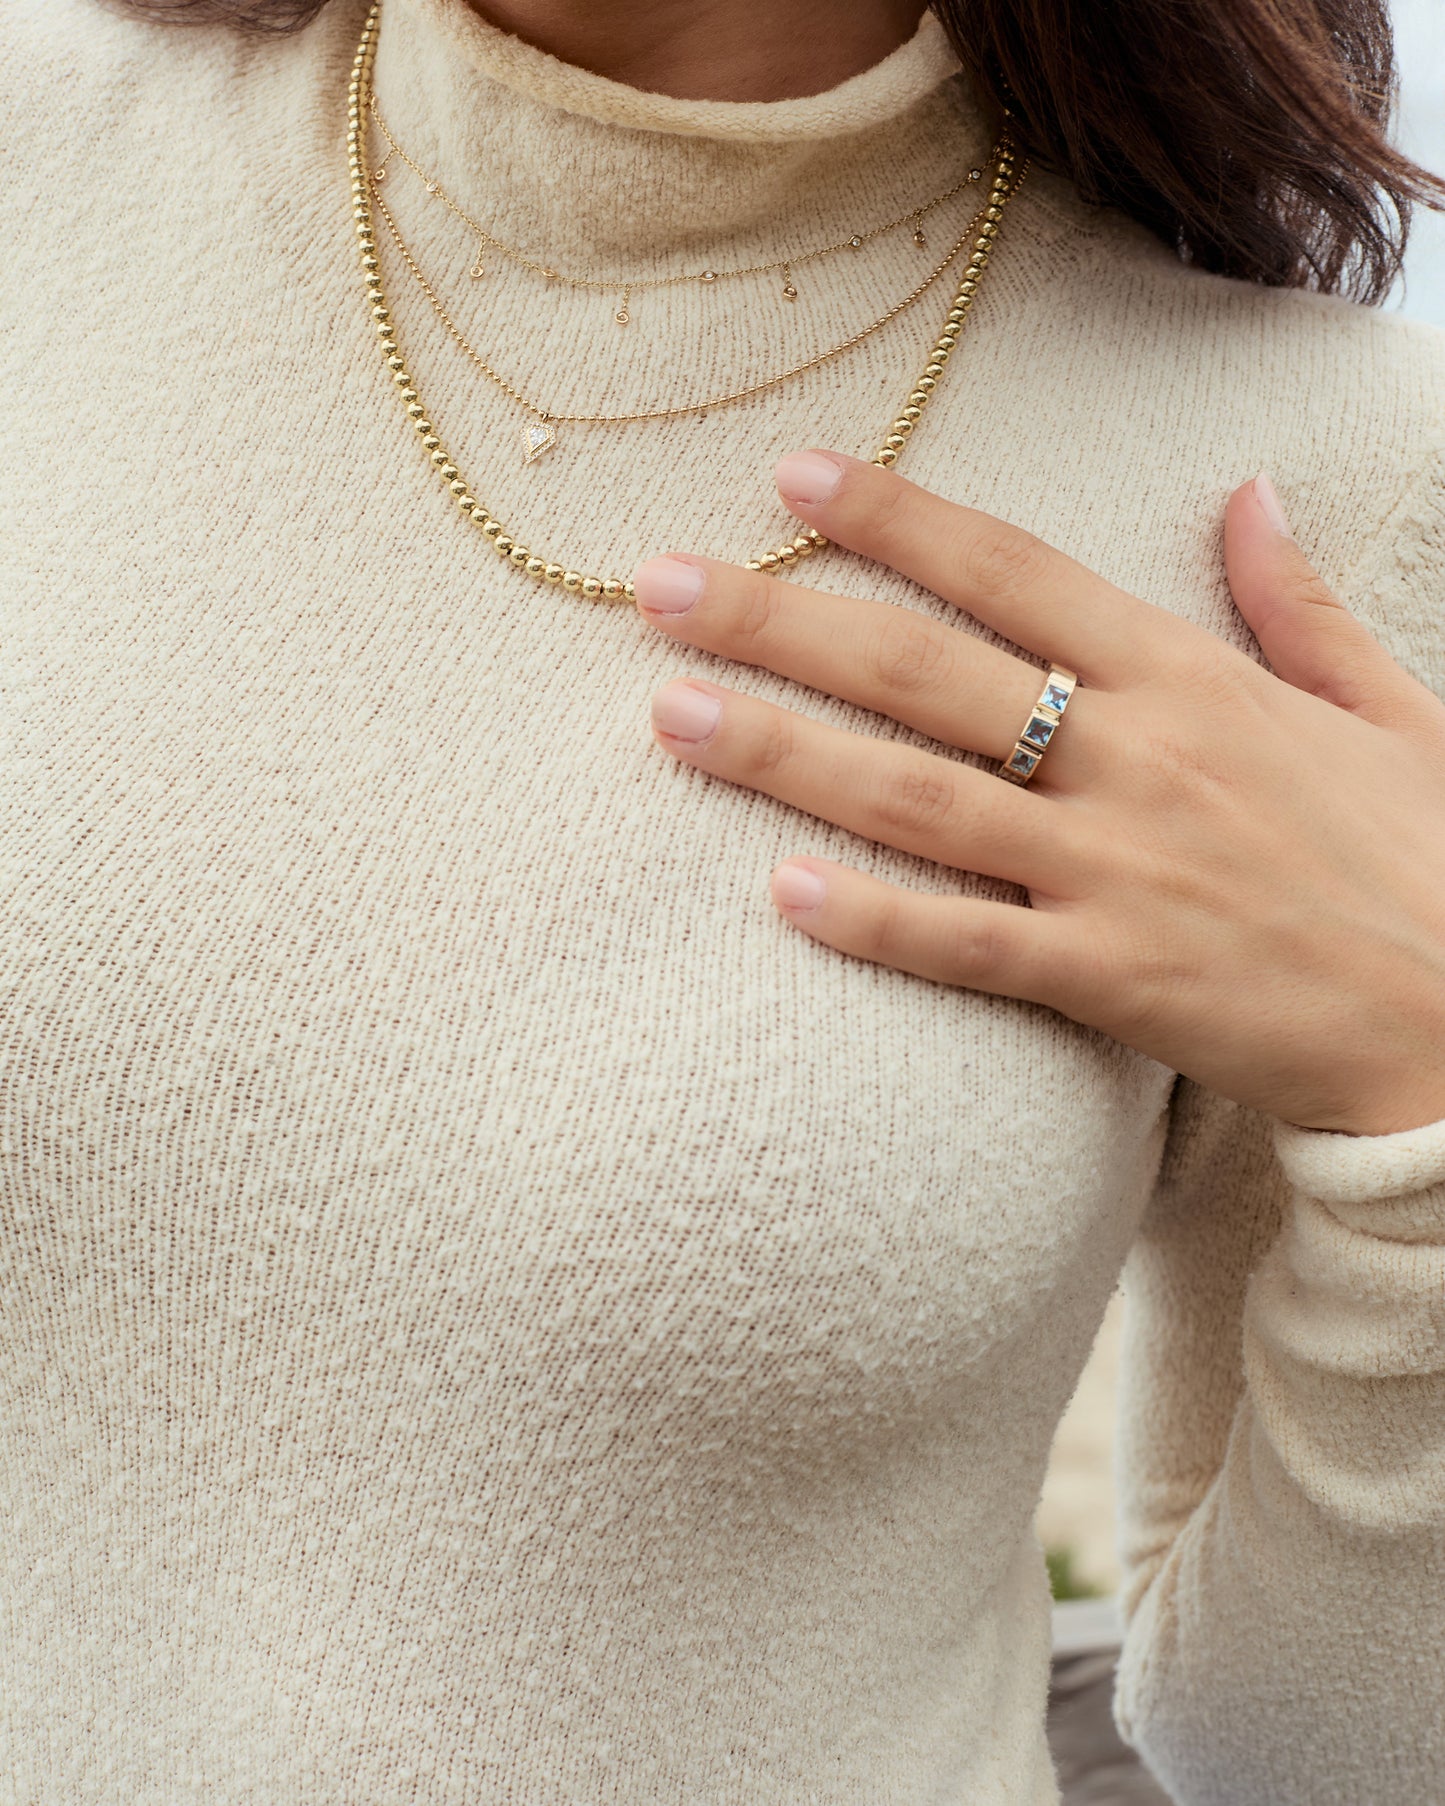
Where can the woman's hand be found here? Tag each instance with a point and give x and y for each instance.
(1240, 874)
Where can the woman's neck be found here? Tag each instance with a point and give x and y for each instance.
(714, 49)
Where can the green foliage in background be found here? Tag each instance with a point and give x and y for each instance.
(1063, 1581)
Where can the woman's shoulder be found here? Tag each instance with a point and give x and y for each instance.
(1334, 370)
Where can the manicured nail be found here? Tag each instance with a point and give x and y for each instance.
(683, 713)
(667, 586)
(1269, 505)
(808, 477)
(796, 887)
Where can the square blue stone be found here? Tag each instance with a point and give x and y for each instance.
(1039, 730)
(1022, 761)
(1054, 697)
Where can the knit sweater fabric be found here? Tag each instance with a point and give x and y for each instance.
(488, 1311)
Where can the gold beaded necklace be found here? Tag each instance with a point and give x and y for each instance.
(1005, 184)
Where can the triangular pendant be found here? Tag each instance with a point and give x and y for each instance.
(541, 436)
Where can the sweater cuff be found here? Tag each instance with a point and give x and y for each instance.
(1362, 1169)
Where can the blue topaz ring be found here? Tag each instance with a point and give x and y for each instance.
(1042, 725)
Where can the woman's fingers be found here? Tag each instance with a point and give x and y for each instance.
(1308, 635)
(899, 795)
(998, 947)
(945, 682)
(1004, 576)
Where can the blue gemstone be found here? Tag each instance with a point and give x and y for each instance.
(1038, 730)
(1054, 697)
(1023, 761)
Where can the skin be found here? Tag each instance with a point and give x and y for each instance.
(714, 49)
(1235, 870)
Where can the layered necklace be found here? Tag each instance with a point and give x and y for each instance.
(540, 430)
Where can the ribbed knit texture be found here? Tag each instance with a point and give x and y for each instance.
(488, 1312)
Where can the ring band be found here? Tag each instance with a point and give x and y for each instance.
(1040, 727)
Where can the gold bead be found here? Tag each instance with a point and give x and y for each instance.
(440, 459)
(554, 573)
(886, 457)
(804, 546)
(788, 553)
(572, 580)
(928, 383)
(918, 398)
(492, 528)
(403, 383)
(519, 555)
(935, 370)
(466, 502)
(479, 513)
(432, 443)
(956, 315)
(612, 588)
(592, 588)
(753, 564)
(370, 263)
(769, 562)
(895, 443)
(383, 332)
(988, 230)
(912, 414)
(423, 426)
(458, 487)
(947, 341)
(994, 214)
(504, 543)
(901, 427)
(818, 539)
(448, 470)
(416, 411)
(536, 567)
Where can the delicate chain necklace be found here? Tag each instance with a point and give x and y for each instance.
(1005, 184)
(488, 240)
(540, 433)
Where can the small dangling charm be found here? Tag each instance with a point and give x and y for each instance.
(477, 268)
(622, 316)
(790, 292)
(433, 187)
(920, 237)
(540, 436)
(379, 173)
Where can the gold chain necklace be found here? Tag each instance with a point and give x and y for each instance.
(488, 240)
(540, 433)
(1005, 184)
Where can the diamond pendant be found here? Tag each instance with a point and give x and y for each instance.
(541, 436)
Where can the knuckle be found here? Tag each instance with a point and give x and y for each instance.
(913, 800)
(1311, 591)
(906, 655)
(771, 745)
(757, 609)
(996, 559)
(979, 943)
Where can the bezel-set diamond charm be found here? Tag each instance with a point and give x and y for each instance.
(540, 436)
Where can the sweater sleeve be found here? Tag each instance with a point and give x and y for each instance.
(1282, 1432)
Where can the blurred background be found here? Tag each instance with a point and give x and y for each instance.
(1076, 1517)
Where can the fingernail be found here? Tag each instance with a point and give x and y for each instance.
(1269, 505)
(683, 713)
(797, 887)
(667, 586)
(808, 477)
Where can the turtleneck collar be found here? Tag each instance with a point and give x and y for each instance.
(548, 155)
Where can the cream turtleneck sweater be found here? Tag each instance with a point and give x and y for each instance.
(488, 1312)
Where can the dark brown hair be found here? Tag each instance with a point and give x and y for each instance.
(1247, 134)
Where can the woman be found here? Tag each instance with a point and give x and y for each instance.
(494, 1312)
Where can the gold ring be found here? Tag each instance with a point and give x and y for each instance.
(1040, 728)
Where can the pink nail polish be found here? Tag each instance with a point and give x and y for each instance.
(797, 888)
(668, 586)
(1269, 505)
(807, 477)
(684, 713)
